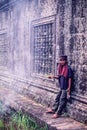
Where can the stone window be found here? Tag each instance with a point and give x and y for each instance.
(43, 46)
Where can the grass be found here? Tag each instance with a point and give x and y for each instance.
(19, 121)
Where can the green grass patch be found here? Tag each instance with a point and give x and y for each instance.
(19, 121)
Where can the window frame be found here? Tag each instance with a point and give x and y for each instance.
(38, 22)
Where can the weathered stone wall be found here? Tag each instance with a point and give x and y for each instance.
(70, 39)
(77, 52)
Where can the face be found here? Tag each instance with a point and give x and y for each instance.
(62, 61)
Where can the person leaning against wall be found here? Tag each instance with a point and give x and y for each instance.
(65, 79)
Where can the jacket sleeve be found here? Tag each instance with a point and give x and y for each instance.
(70, 72)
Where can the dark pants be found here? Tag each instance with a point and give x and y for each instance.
(60, 102)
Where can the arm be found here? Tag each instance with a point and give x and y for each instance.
(51, 77)
(69, 85)
(70, 75)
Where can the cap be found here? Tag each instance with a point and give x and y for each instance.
(64, 57)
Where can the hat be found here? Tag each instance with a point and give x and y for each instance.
(64, 57)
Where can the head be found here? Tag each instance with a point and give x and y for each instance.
(63, 60)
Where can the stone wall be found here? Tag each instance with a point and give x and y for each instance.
(70, 38)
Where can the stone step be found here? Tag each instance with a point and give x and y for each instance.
(38, 111)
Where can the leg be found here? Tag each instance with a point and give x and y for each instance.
(62, 104)
(56, 104)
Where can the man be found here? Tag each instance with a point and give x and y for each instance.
(65, 79)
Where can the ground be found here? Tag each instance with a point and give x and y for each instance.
(38, 111)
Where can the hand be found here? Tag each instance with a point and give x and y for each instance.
(68, 91)
(68, 96)
(50, 77)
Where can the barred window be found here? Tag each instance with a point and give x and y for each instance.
(43, 48)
